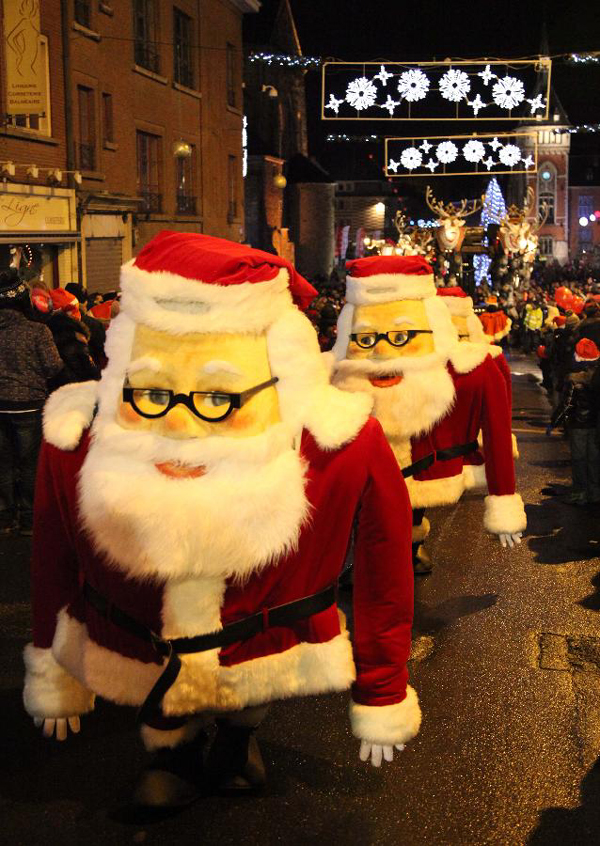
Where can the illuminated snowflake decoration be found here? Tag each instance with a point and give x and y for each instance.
(383, 75)
(393, 166)
(334, 103)
(509, 155)
(431, 164)
(390, 105)
(413, 85)
(361, 93)
(474, 151)
(528, 162)
(446, 152)
(489, 162)
(508, 92)
(477, 104)
(411, 158)
(426, 146)
(455, 85)
(537, 103)
(487, 75)
(495, 144)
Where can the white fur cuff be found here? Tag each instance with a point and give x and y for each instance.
(387, 724)
(68, 412)
(474, 476)
(419, 533)
(504, 514)
(51, 692)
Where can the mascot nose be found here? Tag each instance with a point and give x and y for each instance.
(180, 423)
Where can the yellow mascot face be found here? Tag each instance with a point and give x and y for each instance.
(460, 324)
(405, 324)
(214, 365)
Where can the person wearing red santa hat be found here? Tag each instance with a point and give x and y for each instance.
(432, 396)
(470, 331)
(188, 538)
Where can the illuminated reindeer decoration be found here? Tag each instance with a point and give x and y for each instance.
(451, 230)
(517, 234)
(412, 240)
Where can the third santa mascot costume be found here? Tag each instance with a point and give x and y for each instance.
(188, 539)
(431, 394)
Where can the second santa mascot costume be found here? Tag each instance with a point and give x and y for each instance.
(431, 394)
(202, 518)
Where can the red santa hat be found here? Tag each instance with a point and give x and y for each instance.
(459, 304)
(586, 350)
(387, 279)
(185, 282)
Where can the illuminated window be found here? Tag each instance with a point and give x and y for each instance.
(37, 123)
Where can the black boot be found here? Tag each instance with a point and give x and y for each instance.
(173, 777)
(234, 762)
(422, 564)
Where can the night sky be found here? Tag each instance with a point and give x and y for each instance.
(434, 30)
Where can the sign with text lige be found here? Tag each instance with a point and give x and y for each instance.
(27, 213)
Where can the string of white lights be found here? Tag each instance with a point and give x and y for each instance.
(291, 60)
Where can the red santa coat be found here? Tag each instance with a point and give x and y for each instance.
(77, 653)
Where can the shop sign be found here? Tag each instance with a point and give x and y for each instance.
(34, 213)
(25, 68)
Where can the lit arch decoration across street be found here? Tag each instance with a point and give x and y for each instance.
(452, 90)
(484, 154)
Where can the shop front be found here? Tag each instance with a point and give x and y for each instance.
(38, 233)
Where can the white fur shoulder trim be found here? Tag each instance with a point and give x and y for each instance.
(68, 412)
(495, 351)
(387, 724)
(467, 356)
(504, 514)
(336, 417)
(50, 691)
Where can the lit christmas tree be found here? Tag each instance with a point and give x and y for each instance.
(494, 209)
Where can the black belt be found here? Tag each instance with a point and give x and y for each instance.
(281, 615)
(440, 455)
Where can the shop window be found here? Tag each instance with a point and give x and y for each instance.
(149, 171)
(37, 123)
(232, 179)
(231, 76)
(82, 13)
(145, 29)
(107, 118)
(185, 172)
(183, 67)
(86, 146)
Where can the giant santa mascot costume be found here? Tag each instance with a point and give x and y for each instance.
(470, 331)
(432, 396)
(187, 543)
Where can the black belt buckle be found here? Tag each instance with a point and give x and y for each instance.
(161, 647)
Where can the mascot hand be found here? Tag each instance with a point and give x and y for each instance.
(60, 725)
(510, 539)
(377, 753)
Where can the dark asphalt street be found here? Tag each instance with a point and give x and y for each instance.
(506, 664)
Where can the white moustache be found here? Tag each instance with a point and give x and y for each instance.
(389, 367)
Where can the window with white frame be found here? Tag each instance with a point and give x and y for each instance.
(37, 123)
(547, 190)
(545, 246)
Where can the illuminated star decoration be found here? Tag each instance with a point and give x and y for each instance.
(383, 76)
(426, 146)
(487, 75)
(477, 104)
(390, 105)
(495, 144)
(334, 103)
(537, 103)
(489, 162)
(431, 165)
(528, 162)
(392, 165)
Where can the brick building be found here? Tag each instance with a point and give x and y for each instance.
(584, 204)
(147, 132)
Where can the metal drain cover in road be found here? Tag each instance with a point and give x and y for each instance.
(569, 652)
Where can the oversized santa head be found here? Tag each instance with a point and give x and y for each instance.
(395, 337)
(213, 372)
(466, 322)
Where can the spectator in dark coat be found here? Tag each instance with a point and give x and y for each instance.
(97, 337)
(589, 326)
(29, 360)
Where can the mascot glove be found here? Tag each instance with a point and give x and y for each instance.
(60, 725)
(510, 540)
(377, 753)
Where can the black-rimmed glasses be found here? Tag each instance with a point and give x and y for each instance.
(212, 406)
(396, 337)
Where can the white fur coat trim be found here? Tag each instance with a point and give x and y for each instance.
(432, 492)
(69, 411)
(305, 669)
(387, 724)
(465, 356)
(494, 350)
(388, 287)
(474, 476)
(475, 329)
(504, 514)
(503, 332)
(174, 304)
(459, 306)
(50, 691)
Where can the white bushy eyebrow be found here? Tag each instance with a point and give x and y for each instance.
(216, 366)
(361, 327)
(405, 320)
(144, 363)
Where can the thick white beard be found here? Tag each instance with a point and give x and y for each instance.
(244, 513)
(413, 407)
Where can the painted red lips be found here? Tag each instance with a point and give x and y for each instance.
(180, 471)
(386, 381)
